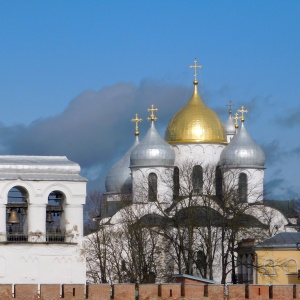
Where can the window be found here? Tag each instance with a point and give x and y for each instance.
(176, 185)
(55, 231)
(270, 267)
(243, 188)
(197, 179)
(201, 262)
(152, 187)
(219, 181)
(16, 215)
(291, 267)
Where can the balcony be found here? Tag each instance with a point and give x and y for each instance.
(15, 234)
(55, 236)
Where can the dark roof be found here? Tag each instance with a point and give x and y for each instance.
(193, 278)
(289, 208)
(281, 240)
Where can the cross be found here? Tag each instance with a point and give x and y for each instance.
(236, 118)
(195, 67)
(230, 106)
(152, 117)
(242, 111)
(136, 120)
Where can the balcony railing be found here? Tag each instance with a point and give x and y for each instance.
(16, 237)
(15, 234)
(55, 237)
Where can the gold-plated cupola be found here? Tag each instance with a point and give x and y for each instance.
(195, 122)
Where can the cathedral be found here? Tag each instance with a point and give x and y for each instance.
(203, 174)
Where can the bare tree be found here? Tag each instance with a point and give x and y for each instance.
(193, 227)
(208, 218)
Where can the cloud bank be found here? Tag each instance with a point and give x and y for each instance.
(95, 129)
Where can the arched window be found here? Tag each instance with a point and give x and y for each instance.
(176, 185)
(152, 187)
(291, 267)
(16, 217)
(197, 179)
(270, 267)
(219, 181)
(55, 227)
(243, 187)
(201, 262)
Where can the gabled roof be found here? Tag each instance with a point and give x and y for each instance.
(281, 240)
(200, 279)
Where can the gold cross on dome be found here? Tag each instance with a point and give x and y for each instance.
(195, 67)
(236, 118)
(230, 104)
(136, 120)
(242, 111)
(152, 117)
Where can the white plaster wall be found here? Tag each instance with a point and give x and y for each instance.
(164, 184)
(42, 263)
(36, 261)
(203, 154)
(255, 182)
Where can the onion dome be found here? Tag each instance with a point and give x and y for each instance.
(195, 123)
(152, 150)
(118, 179)
(229, 125)
(242, 152)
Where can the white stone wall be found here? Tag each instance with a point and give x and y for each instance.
(38, 261)
(203, 154)
(27, 263)
(164, 184)
(255, 180)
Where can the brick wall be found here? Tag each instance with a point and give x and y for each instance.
(148, 292)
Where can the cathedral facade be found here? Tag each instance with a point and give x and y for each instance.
(203, 183)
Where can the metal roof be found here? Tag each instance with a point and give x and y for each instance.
(242, 152)
(153, 150)
(13, 167)
(281, 240)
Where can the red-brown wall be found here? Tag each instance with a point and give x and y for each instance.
(175, 291)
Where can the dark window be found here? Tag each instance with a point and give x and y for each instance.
(197, 179)
(152, 187)
(243, 187)
(219, 181)
(176, 185)
(55, 231)
(16, 211)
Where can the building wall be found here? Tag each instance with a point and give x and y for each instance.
(37, 260)
(278, 266)
(149, 291)
(42, 263)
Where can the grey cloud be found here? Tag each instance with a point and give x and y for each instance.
(272, 152)
(296, 151)
(95, 129)
(272, 184)
(290, 118)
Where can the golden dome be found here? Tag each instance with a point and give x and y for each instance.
(195, 123)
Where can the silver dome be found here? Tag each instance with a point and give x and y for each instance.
(153, 150)
(242, 152)
(118, 179)
(229, 126)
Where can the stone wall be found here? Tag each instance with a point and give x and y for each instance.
(149, 292)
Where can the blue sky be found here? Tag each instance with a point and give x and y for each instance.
(74, 73)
